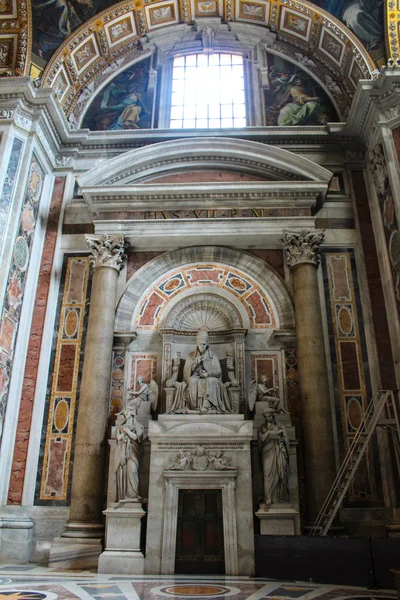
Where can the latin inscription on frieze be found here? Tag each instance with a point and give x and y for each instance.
(208, 213)
(187, 446)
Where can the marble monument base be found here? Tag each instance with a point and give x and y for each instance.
(278, 519)
(75, 553)
(122, 552)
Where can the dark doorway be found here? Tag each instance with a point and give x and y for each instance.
(200, 535)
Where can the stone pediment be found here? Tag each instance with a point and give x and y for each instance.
(264, 161)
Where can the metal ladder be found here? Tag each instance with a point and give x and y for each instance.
(370, 421)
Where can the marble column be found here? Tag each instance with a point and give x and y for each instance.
(85, 525)
(302, 253)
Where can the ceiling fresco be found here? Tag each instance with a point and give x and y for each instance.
(54, 20)
(36, 29)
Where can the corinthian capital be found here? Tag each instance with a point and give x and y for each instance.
(302, 247)
(107, 250)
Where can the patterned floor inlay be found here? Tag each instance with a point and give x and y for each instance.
(31, 582)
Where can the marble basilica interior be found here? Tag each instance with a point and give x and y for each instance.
(200, 287)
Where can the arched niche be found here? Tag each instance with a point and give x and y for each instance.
(240, 299)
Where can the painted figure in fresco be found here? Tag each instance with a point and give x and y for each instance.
(203, 375)
(297, 107)
(363, 17)
(54, 20)
(274, 447)
(123, 104)
(129, 436)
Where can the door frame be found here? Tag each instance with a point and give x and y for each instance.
(199, 480)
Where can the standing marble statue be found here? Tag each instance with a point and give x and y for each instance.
(203, 374)
(274, 448)
(129, 436)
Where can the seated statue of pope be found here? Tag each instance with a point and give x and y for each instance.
(202, 388)
(203, 374)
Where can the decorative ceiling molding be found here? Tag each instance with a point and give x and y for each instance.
(113, 39)
(392, 34)
(15, 37)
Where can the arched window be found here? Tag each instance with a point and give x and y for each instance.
(208, 91)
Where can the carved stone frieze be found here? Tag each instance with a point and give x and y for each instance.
(302, 247)
(107, 250)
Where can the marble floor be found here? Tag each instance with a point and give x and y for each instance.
(31, 582)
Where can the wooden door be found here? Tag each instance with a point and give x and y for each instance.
(200, 536)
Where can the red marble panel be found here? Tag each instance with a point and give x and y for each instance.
(35, 341)
(150, 309)
(143, 365)
(66, 368)
(350, 369)
(258, 309)
(54, 482)
(205, 275)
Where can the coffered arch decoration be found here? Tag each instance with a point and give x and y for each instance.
(114, 39)
(15, 37)
(157, 294)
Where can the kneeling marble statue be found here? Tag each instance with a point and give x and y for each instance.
(129, 436)
(274, 448)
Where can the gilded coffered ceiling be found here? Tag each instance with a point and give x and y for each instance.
(15, 37)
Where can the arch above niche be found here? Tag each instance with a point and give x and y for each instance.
(207, 269)
(298, 30)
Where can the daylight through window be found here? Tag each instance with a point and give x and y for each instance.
(208, 91)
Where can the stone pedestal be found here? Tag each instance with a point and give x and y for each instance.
(225, 433)
(15, 536)
(278, 519)
(122, 548)
(75, 553)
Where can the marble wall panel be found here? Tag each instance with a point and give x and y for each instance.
(56, 452)
(117, 382)
(144, 365)
(34, 347)
(372, 268)
(15, 287)
(350, 368)
(265, 363)
(9, 184)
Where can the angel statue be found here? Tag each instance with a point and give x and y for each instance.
(146, 392)
(274, 447)
(260, 392)
(129, 436)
